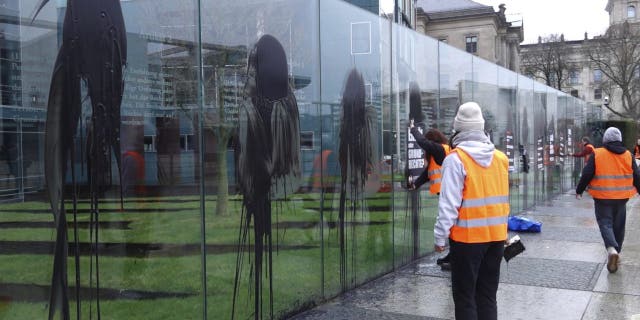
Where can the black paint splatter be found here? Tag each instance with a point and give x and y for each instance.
(268, 153)
(94, 49)
(356, 156)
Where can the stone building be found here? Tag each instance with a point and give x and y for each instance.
(473, 27)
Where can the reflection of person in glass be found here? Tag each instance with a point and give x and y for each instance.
(472, 212)
(612, 177)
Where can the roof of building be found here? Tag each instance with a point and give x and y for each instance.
(430, 6)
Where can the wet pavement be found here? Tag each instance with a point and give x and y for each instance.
(561, 275)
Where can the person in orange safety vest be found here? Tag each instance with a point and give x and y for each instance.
(611, 177)
(587, 150)
(473, 210)
(436, 147)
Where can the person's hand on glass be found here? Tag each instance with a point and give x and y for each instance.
(578, 196)
(438, 248)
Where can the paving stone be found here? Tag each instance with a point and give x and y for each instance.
(517, 302)
(340, 312)
(405, 293)
(574, 251)
(625, 281)
(562, 211)
(612, 306)
(562, 234)
(551, 273)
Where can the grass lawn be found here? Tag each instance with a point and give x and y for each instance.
(153, 247)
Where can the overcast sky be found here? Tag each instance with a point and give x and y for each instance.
(544, 17)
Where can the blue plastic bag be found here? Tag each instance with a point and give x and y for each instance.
(523, 224)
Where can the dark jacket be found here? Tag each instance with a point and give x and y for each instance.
(431, 149)
(590, 169)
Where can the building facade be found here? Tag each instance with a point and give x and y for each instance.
(474, 28)
(580, 77)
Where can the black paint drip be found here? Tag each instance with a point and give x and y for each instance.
(267, 159)
(94, 49)
(356, 156)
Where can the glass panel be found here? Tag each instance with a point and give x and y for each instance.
(455, 84)
(528, 143)
(540, 140)
(356, 105)
(551, 146)
(262, 157)
(507, 99)
(129, 213)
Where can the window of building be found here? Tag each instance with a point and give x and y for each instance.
(472, 44)
(574, 77)
(631, 12)
(597, 75)
(187, 142)
(597, 94)
(306, 140)
(149, 143)
(574, 93)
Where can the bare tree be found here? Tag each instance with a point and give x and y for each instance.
(548, 61)
(617, 55)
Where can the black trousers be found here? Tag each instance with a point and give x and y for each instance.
(611, 216)
(475, 273)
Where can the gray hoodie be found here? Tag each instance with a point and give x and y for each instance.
(478, 146)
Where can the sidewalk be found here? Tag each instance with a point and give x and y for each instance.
(561, 275)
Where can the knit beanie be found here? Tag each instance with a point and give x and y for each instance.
(468, 118)
(612, 134)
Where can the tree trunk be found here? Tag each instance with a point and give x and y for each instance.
(222, 179)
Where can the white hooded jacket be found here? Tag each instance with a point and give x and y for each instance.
(478, 146)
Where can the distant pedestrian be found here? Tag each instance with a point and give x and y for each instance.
(436, 147)
(472, 212)
(612, 178)
(587, 149)
(636, 150)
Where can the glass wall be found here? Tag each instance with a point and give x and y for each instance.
(235, 159)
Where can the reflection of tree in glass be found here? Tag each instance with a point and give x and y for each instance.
(94, 49)
(356, 156)
(268, 153)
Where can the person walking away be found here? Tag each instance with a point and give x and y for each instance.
(436, 147)
(473, 212)
(612, 177)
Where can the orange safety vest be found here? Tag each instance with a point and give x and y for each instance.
(483, 214)
(435, 172)
(613, 178)
(586, 159)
